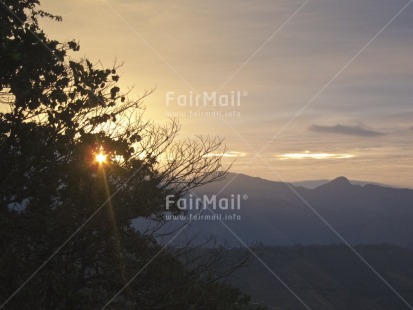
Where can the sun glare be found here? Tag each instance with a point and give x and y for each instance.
(101, 158)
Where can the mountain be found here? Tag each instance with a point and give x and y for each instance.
(329, 277)
(276, 213)
(311, 184)
(300, 232)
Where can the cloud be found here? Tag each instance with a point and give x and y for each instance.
(309, 155)
(226, 154)
(346, 130)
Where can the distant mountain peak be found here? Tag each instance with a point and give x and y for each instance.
(341, 180)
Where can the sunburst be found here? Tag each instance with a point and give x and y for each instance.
(101, 157)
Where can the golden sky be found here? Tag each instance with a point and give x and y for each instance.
(304, 89)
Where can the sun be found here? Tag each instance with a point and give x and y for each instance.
(101, 157)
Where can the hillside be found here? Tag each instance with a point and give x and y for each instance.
(329, 277)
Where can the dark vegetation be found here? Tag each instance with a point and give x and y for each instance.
(66, 240)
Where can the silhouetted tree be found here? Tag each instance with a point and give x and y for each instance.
(57, 114)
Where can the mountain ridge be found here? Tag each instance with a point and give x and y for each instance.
(277, 213)
(312, 184)
(281, 214)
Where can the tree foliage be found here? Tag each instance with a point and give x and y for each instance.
(59, 206)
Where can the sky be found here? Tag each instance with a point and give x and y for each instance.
(304, 90)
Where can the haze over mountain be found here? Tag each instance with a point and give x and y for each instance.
(277, 213)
